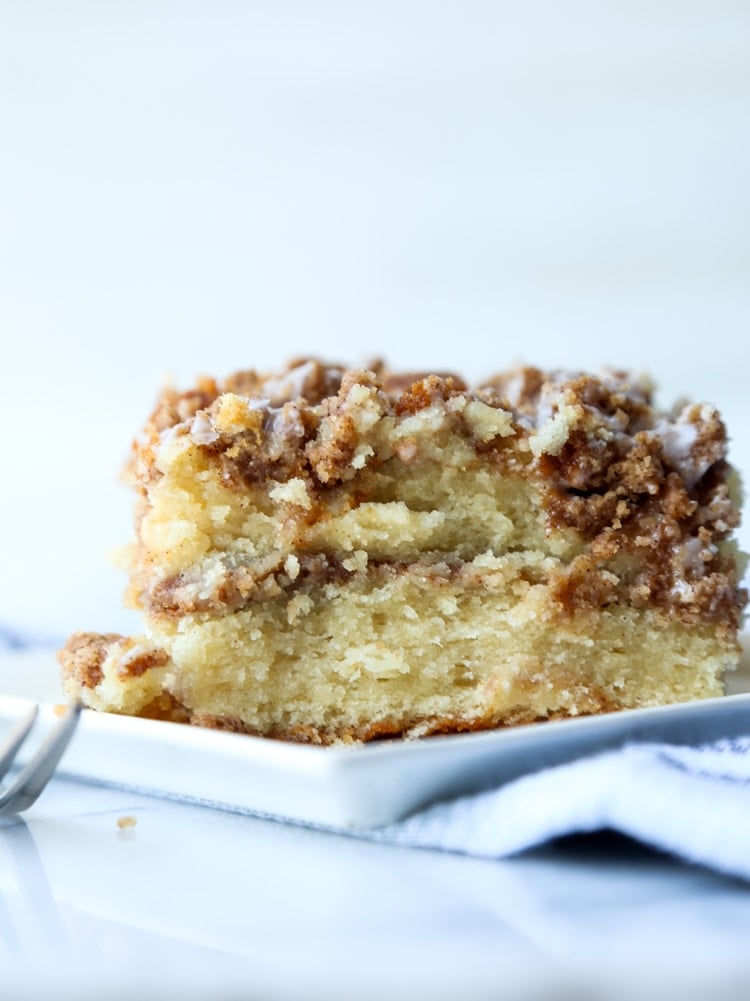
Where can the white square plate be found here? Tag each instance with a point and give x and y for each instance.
(363, 786)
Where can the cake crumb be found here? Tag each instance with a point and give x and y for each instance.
(127, 823)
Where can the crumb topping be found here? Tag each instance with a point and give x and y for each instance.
(84, 655)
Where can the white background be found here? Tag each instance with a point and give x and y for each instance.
(198, 187)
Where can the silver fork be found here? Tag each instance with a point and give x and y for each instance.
(36, 773)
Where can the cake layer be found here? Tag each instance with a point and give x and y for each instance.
(244, 495)
(406, 651)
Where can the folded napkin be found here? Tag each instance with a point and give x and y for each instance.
(693, 802)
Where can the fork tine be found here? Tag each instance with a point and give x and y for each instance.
(17, 737)
(35, 775)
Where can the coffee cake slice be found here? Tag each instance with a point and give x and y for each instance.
(328, 555)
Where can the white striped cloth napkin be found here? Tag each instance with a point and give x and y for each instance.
(693, 802)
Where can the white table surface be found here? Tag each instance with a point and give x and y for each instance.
(194, 902)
